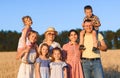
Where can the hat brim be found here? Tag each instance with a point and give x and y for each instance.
(56, 33)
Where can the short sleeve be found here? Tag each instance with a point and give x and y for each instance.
(50, 64)
(64, 65)
(38, 60)
(100, 37)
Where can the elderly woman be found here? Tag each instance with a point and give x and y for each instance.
(50, 34)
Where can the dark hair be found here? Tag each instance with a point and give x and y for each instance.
(58, 49)
(88, 7)
(27, 17)
(87, 20)
(72, 30)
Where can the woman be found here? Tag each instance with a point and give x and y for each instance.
(72, 56)
(49, 39)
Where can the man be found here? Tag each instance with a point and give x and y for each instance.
(91, 60)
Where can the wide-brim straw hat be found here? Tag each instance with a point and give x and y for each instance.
(51, 29)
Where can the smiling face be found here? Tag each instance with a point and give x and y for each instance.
(56, 54)
(88, 12)
(27, 21)
(32, 37)
(50, 36)
(88, 27)
(44, 50)
(73, 36)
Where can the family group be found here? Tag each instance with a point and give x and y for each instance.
(72, 60)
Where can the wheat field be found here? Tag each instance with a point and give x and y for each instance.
(111, 63)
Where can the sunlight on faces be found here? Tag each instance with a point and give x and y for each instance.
(88, 12)
(27, 22)
(73, 36)
(88, 27)
(50, 35)
(56, 55)
(32, 37)
(44, 50)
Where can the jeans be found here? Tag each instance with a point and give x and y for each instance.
(92, 68)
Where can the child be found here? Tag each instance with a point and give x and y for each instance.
(57, 66)
(96, 23)
(42, 62)
(26, 70)
(23, 41)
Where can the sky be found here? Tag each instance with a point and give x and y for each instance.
(61, 14)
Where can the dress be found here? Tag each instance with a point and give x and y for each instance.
(73, 60)
(27, 70)
(57, 69)
(44, 67)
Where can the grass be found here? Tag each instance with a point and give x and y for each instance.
(9, 65)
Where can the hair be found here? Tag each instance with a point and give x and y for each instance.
(44, 44)
(87, 20)
(31, 32)
(88, 7)
(58, 49)
(72, 30)
(27, 17)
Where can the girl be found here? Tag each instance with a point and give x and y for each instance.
(23, 41)
(26, 69)
(57, 66)
(42, 62)
(73, 55)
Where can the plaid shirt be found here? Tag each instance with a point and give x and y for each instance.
(94, 19)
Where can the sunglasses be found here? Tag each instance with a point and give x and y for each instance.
(51, 34)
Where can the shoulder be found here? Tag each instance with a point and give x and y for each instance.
(100, 36)
(64, 64)
(65, 45)
(94, 16)
(38, 60)
(55, 44)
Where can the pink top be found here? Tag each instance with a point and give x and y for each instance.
(72, 52)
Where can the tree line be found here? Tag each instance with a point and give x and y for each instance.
(9, 39)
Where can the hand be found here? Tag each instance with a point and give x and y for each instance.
(27, 50)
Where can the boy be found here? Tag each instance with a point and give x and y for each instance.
(95, 22)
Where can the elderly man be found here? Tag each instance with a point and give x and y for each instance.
(91, 60)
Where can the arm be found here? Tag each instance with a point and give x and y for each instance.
(37, 70)
(24, 33)
(102, 46)
(96, 23)
(21, 52)
(65, 72)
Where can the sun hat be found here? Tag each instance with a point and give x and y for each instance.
(51, 29)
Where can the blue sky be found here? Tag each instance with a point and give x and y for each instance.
(61, 14)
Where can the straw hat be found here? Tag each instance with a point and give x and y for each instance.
(51, 29)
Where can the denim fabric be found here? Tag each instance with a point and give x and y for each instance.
(92, 68)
